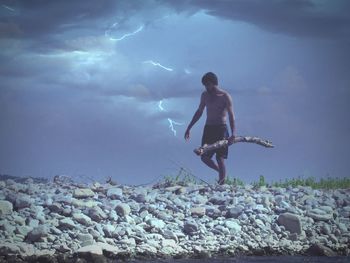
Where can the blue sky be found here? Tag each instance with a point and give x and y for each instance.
(87, 88)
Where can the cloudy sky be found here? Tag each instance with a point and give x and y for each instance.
(98, 88)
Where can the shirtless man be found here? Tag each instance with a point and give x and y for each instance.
(218, 102)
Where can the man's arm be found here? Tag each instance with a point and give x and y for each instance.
(196, 116)
(231, 115)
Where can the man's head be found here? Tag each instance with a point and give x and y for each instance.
(209, 80)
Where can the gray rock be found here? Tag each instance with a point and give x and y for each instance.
(97, 214)
(9, 249)
(81, 203)
(33, 222)
(67, 212)
(320, 250)
(190, 227)
(90, 251)
(115, 193)
(279, 199)
(198, 211)
(83, 193)
(343, 228)
(218, 200)
(23, 230)
(55, 207)
(7, 227)
(26, 249)
(233, 226)
(23, 201)
(293, 237)
(325, 229)
(85, 239)
(111, 250)
(291, 222)
(128, 241)
(260, 224)
(168, 243)
(66, 223)
(213, 212)
(97, 250)
(199, 199)
(235, 212)
(113, 216)
(156, 223)
(37, 233)
(122, 209)
(319, 217)
(219, 229)
(6, 208)
(55, 230)
(65, 199)
(109, 230)
(37, 212)
(141, 198)
(82, 219)
(168, 234)
(327, 209)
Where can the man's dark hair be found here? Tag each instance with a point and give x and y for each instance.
(210, 77)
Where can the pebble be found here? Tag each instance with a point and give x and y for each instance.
(177, 220)
(6, 208)
(83, 193)
(122, 209)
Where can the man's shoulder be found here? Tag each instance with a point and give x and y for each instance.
(226, 93)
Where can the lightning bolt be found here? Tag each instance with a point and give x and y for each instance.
(107, 33)
(9, 8)
(157, 65)
(187, 71)
(160, 105)
(171, 122)
(171, 125)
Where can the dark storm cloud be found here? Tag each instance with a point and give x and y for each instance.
(38, 18)
(299, 17)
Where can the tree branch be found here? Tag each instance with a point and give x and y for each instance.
(223, 143)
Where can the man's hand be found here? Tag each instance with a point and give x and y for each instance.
(231, 140)
(187, 135)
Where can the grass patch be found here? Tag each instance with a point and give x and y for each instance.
(185, 177)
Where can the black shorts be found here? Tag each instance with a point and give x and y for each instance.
(214, 133)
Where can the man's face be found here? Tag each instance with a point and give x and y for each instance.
(209, 86)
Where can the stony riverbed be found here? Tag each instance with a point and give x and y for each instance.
(67, 222)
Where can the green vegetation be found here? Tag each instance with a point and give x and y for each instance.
(321, 183)
(185, 177)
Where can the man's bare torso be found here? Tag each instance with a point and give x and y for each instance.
(216, 105)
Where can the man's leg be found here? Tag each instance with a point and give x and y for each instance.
(208, 161)
(222, 169)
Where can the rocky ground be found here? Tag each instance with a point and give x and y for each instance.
(66, 222)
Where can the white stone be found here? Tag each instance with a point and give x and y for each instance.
(83, 193)
(156, 223)
(6, 208)
(94, 249)
(82, 219)
(115, 193)
(232, 225)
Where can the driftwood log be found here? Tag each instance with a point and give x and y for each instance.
(222, 143)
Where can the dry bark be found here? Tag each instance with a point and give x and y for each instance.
(224, 143)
